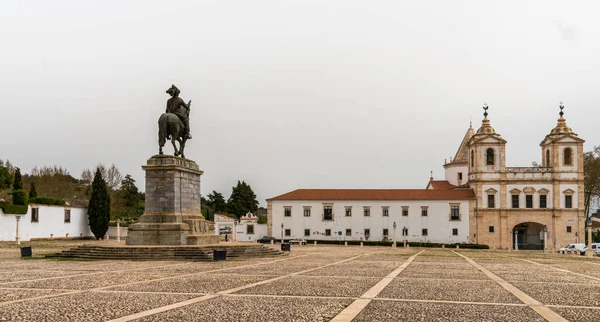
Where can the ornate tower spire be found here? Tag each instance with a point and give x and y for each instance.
(485, 128)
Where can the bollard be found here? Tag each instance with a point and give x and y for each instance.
(443, 246)
(272, 242)
(315, 243)
(457, 247)
(407, 246)
(345, 243)
(578, 252)
(361, 244)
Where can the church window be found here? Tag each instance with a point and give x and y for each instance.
(327, 213)
(491, 229)
(454, 212)
(405, 211)
(568, 201)
(489, 156)
(472, 158)
(547, 158)
(543, 201)
(491, 201)
(460, 178)
(568, 157)
(528, 201)
(287, 211)
(306, 211)
(385, 211)
(569, 229)
(515, 201)
(306, 232)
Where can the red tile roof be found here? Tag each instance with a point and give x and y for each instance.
(440, 184)
(377, 194)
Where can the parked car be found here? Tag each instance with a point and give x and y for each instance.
(298, 241)
(266, 240)
(596, 249)
(573, 247)
(225, 230)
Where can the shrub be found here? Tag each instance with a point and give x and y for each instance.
(47, 201)
(400, 243)
(11, 209)
(20, 197)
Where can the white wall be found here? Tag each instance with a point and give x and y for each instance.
(51, 221)
(260, 230)
(451, 174)
(437, 222)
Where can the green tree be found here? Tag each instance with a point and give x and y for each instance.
(5, 176)
(32, 191)
(99, 206)
(18, 180)
(591, 181)
(216, 201)
(130, 197)
(242, 200)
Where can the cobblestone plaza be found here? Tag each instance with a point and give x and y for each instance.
(321, 283)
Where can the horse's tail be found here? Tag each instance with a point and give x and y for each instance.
(163, 124)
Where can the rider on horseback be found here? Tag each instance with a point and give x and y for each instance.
(175, 104)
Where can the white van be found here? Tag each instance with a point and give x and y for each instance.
(572, 247)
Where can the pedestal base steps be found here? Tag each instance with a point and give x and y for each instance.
(100, 252)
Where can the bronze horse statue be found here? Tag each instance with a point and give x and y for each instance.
(171, 127)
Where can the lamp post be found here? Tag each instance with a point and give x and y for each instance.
(118, 230)
(589, 252)
(545, 238)
(18, 217)
(404, 234)
(282, 233)
(394, 244)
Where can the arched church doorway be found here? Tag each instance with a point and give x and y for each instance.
(528, 236)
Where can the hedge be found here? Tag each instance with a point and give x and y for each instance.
(20, 197)
(11, 209)
(47, 201)
(411, 244)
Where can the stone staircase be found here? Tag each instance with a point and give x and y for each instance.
(100, 252)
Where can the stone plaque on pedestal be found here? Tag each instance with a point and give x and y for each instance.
(172, 213)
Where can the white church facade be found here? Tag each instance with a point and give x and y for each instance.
(480, 201)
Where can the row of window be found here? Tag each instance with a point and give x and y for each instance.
(367, 232)
(515, 201)
(490, 157)
(35, 215)
(491, 229)
(385, 211)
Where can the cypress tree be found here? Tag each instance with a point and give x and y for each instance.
(18, 181)
(32, 191)
(99, 207)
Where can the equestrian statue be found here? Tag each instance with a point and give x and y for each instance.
(174, 124)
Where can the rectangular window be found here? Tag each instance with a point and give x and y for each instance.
(287, 211)
(568, 229)
(491, 229)
(367, 211)
(327, 213)
(454, 231)
(348, 211)
(385, 211)
(460, 176)
(348, 232)
(67, 216)
(288, 232)
(528, 201)
(424, 231)
(404, 211)
(515, 201)
(491, 201)
(454, 212)
(568, 201)
(250, 229)
(307, 232)
(327, 232)
(543, 201)
(385, 231)
(306, 211)
(367, 232)
(35, 214)
(424, 211)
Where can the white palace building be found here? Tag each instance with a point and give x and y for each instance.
(480, 201)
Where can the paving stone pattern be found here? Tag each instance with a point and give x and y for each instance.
(312, 284)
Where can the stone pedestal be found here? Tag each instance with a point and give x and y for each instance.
(172, 215)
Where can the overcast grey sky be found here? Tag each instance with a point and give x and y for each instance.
(293, 94)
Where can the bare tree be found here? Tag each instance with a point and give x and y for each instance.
(87, 176)
(591, 181)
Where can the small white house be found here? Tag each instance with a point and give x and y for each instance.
(248, 228)
(43, 221)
